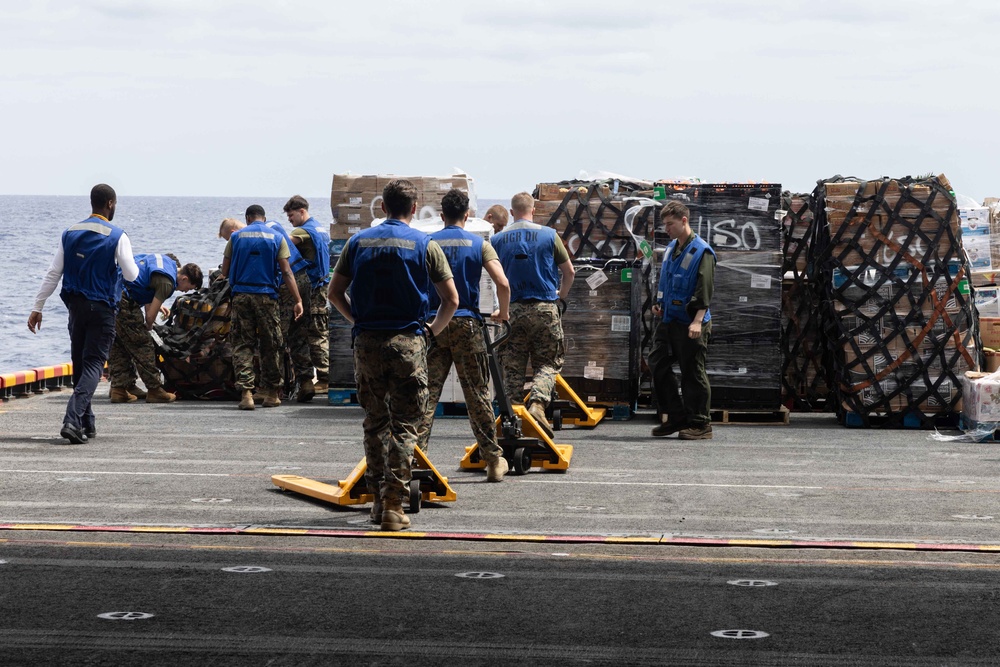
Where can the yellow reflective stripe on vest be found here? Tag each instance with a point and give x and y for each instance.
(387, 243)
(91, 227)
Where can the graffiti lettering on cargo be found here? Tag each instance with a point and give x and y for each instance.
(729, 234)
(911, 244)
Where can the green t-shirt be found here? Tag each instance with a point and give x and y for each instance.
(305, 244)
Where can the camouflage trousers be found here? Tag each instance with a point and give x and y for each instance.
(462, 343)
(319, 333)
(390, 368)
(133, 354)
(536, 335)
(256, 329)
(297, 333)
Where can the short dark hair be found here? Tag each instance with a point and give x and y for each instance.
(298, 201)
(675, 209)
(256, 212)
(399, 196)
(193, 273)
(101, 195)
(454, 205)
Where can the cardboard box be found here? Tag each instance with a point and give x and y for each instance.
(989, 331)
(981, 397)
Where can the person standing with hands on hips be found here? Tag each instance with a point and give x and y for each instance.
(390, 269)
(87, 260)
(687, 281)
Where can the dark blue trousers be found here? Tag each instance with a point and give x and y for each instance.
(91, 333)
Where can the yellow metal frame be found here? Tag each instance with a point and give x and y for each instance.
(530, 428)
(593, 417)
(347, 491)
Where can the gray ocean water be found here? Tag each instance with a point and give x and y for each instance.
(30, 229)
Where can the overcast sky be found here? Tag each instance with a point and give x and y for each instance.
(270, 98)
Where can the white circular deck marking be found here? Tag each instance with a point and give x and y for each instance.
(973, 517)
(740, 634)
(125, 616)
(775, 531)
(3, 562)
(752, 583)
(74, 479)
(211, 500)
(479, 575)
(561, 554)
(246, 569)
(284, 468)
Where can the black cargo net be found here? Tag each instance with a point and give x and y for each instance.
(806, 364)
(193, 353)
(899, 316)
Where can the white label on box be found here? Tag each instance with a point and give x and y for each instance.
(354, 217)
(591, 399)
(355, 201)
(758, 281)
(780, 214)
(597, 280)
(353, 230)
(621, 323)
(593, 372)
(444, 186)
(743, 299)
(742, 370)
(758, 204)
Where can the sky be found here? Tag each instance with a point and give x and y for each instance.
(270, 98)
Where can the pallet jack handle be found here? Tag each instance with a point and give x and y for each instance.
(509, 422)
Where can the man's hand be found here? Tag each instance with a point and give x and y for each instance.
(297, 310)
(694, 330)
(657, 310)
(496, 317)
(34, 321)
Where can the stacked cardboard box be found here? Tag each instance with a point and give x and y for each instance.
(900, 319)
(355, 201)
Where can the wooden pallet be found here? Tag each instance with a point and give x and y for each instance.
(750, 417)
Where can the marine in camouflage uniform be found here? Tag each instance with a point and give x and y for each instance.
(133, 353)
(389, 269)
(319, 336)
(540, 273)
(296, 333)
(256, 330)
(307, 233)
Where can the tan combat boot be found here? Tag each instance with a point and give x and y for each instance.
(135, 391)
(246, 401)
(306, 391)
(537, 411)
(160, 395)
(119, 395)
(376, 516)
(495, 470)
(271, 397)
(321, 388)
(393, 517)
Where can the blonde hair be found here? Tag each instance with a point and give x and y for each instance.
(229, 225)
(522, 204)
(499, 214)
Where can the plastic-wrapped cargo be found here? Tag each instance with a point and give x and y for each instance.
(742, 223)
(900, 319)
(806, 367)
(601, 332)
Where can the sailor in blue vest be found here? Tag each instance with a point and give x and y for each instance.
(462, 342)
(687, 281)
(313, 241)
(255, 257)
(534, 259)
(295, 332)
(133, 354)
(88, 261)
(389, 269)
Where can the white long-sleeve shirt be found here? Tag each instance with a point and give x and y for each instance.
(123, 256)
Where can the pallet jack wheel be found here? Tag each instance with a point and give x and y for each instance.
(414, 496)
(557, 419)
(522, 460)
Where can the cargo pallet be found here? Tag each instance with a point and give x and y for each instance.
(342, 396)
(909, 420)
(741, 417)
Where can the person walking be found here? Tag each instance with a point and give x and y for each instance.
(88, 260)
(686, 285)
(389, 269)
(462, 341)
(540, 273)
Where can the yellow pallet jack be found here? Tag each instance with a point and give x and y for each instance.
(525, 445)
(426, 485)
(570, 408)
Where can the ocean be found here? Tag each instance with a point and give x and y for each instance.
(30, 229)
